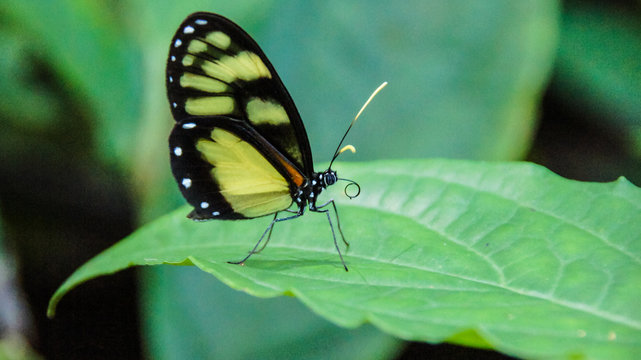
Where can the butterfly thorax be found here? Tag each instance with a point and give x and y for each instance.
(312, 188)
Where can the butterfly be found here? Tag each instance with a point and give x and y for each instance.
(238, 149)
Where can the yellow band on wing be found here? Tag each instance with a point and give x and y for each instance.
(248, 181)
(210, 105)
(261, 111)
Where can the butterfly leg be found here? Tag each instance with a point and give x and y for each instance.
(269, 236)
(268, 230)
(338, 220)
(331, 226)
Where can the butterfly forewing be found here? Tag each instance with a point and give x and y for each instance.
(216, 69)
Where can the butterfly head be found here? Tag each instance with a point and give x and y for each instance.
(329, 177)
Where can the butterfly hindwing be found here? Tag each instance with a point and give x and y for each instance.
(216, 69)
(226, 170)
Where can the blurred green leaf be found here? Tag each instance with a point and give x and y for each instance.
(533, 264)
(84, 41)
(599, 64)
(465, 77)
(24, 102)
(221, 323)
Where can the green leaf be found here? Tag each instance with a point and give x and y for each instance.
(506, 255)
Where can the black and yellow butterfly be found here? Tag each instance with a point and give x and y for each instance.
(239, 149)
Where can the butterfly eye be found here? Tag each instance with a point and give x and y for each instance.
(329, 178)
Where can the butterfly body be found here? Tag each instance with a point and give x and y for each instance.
(239, 149)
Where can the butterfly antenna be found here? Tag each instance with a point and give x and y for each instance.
(351, 148)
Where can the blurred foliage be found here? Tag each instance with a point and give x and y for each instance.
(84, 121)
(598, 64)
(593, 107)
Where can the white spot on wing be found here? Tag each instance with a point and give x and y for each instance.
(186, 183)
(189, 126)
(177, 43)
(173, 58)
(201, 22)
(178, 151)
(204, 205)
(188, 29)
(171, 79)
(215, 213)
(174, 105)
